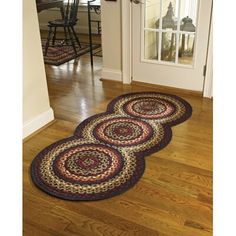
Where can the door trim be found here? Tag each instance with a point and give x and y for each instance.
(126, 41)
(126, 29)
(208, 83)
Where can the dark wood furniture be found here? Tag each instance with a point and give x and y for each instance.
(47, 4)
(95, 6)
(67, 23)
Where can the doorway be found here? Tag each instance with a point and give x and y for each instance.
(169, 41)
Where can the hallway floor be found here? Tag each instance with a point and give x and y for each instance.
(174, 196)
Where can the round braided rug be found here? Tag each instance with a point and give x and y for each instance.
(105, 156)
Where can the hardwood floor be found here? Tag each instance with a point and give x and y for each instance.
(174, 196)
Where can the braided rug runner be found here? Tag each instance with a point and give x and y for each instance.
(60, 54)
(105, 156)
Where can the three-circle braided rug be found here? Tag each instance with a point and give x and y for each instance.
(105, 156)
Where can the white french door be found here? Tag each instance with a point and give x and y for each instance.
(169, 42)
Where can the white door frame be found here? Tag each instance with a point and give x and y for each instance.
(126, 41)
(126, 28)
(208, 83)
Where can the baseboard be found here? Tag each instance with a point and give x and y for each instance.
(168, 89)
(111, 74)
(38, 122)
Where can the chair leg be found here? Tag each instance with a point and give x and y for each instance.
(65, 33)
(71, 39)
(48, 40)
(76, 37)
(54, 35)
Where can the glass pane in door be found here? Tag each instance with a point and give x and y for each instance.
(186, 49)
(169, 14)
(151, 45)
(152, 13)
(188, 14)
(168, 47)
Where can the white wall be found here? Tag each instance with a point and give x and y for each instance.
(111, 40)
(36, 107)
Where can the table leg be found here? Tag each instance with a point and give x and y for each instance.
(62, 12)
(90, 35)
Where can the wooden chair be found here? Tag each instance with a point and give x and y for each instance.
(68, 23)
